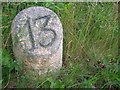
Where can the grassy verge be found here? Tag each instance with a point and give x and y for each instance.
(90, 48)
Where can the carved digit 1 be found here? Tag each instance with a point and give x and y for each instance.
(30, 34)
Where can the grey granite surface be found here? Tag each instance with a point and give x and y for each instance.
(37, 36)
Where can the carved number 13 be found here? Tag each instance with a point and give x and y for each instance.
(31, 36)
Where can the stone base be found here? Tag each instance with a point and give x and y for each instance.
(39, 65)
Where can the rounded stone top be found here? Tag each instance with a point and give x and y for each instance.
(37, 31)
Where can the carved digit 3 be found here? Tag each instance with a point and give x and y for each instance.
(47, 35)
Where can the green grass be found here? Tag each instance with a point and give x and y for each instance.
(90, 47)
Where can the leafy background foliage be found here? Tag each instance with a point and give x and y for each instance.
(90, 48)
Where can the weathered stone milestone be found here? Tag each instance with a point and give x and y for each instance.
(37, 35)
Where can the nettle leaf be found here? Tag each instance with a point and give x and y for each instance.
(52, 82)
(55, 83)
(14, 65)
(8, 62)
(6, 58)
(1, 81)
(59, 84)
